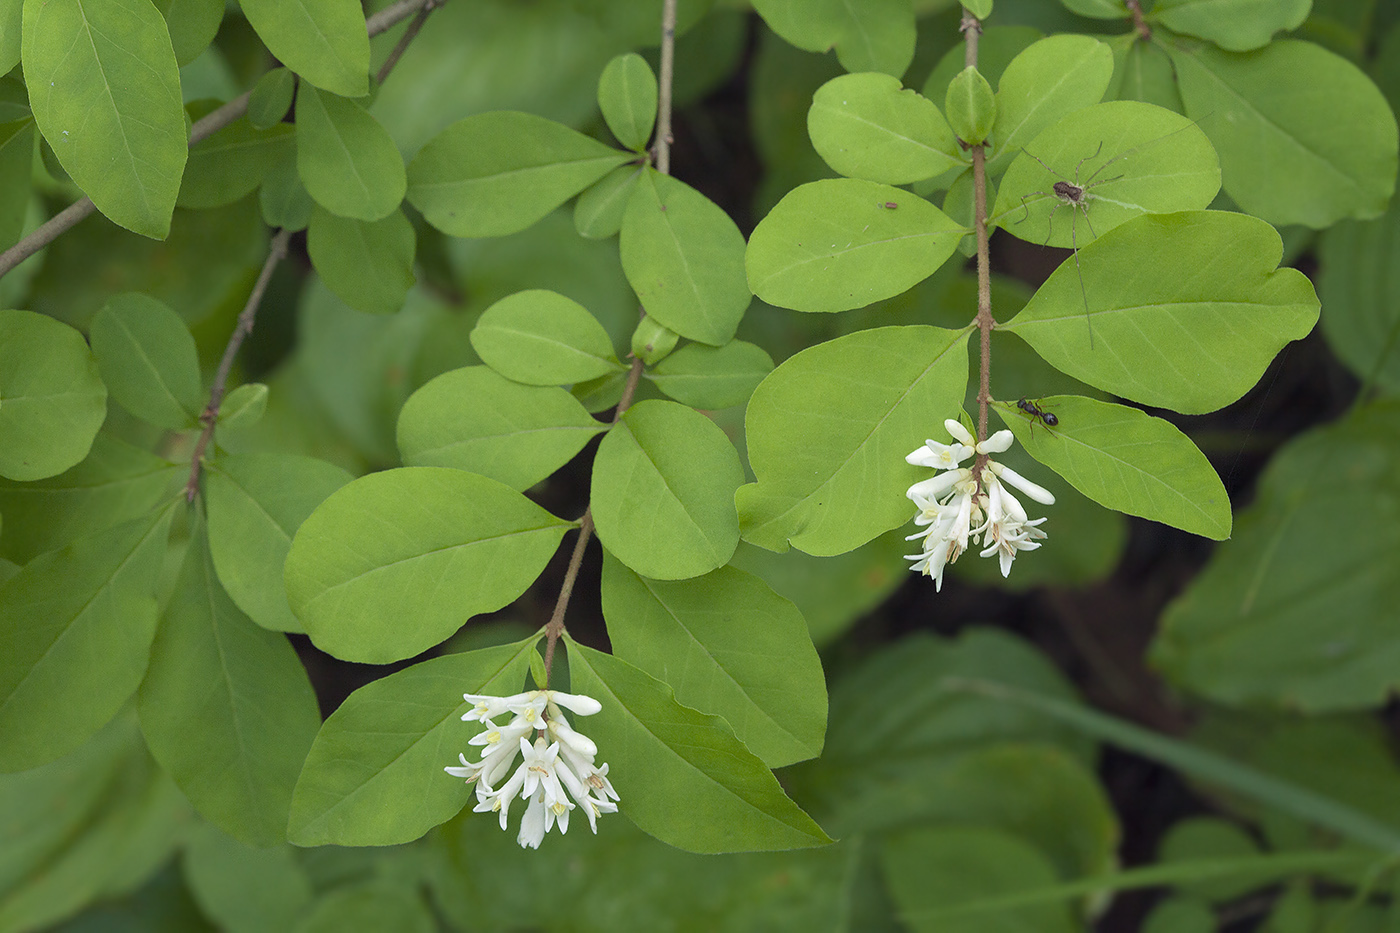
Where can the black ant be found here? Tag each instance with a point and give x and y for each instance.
(1038, 414)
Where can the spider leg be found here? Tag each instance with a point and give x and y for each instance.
(1086, 159)
(1042, 163)
(1083, 294)
(1050, 223)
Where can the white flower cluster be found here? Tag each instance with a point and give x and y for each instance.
(548, 769)
(956, 507)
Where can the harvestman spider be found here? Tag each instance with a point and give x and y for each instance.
(1077, 196)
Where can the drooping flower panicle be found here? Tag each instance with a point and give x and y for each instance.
(556, 766)
(959, 504)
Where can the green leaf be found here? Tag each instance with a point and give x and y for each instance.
(1127, 460)
(1212, 272)
(1297, 610)
(11, 17)
(497, 173)
(116, 482)
(663, 491)
(347, 161)
(1143, 71)
(226, 707)
(105, 90)
(283, 198)
(930, 870)
(323, 41)
(542, 338)
(1049, 80)
(660, 751)
(1304, 137)
(877, 35)
(395, 562)
(971, 106)
(16, 167)
(1361, 301)
(627, 96)
(379, 906)
(79, 627)
(374, 775)
(473, 419)
(599, 211)
(192, 25)
(256, 503)
(728, 645)
(1129, 158)
(868, 126)
(271, 98)
(51, 399)
(979, 8)
(90, 825)
(230, 164)
(241, 409)
(652, 343)
(838, 244)
(1236, 25)
(243, 889)
(712, 377)
(684, 257)
(147, 358)
(1098, 9)
(828, 431)
(997, 48)
(368, 264)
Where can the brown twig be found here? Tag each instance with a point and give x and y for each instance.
(202, 129)
(971, 28)
(662, 147)
(408, 36)
(210, 416)
(1139, 20)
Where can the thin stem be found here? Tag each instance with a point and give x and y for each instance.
(1139, 20)
(662, 146)
(216, 120)
(408, 36)
(276, 252)
(971, 28)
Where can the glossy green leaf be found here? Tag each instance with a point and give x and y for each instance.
(627, 96)
(395, 562)
(663, 492)
(105, 90)
(192, 25)
(256, 503)
(712, 377)
(728, 645)
(597, 395)
(599, 211)
(11, 16)
(931, 870)
(867, 126)
(233, 162)
(241, 888)
(828, 431)
(283, 198)
(476, 420)
(116, 482)
(1213, 273)
(380, 906)
(1049, 80)
(543, 338)
(497, 173)
(1304, 136)
(226, 707)
(1143, 71)
(1361, 300)
(79, 626)
(241, 409)
(347, 161)
(374, 775)
(1129, 158)
(843, 243)
(997, 47)
(368, 264)
(1297, 611)
(872, 36)
(147, 359)
(1236, 25)
(653, 342)
(51, 399)
(1125, 459)
(88, 826)
(1098, 9)
(16, 167)
(684, 257)
(271, 98)
(971, 106)
(659, 750)
(323, 41)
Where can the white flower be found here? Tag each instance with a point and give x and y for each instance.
(962, 503)
(559, 764)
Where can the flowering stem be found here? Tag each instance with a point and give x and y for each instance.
(985, 322)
